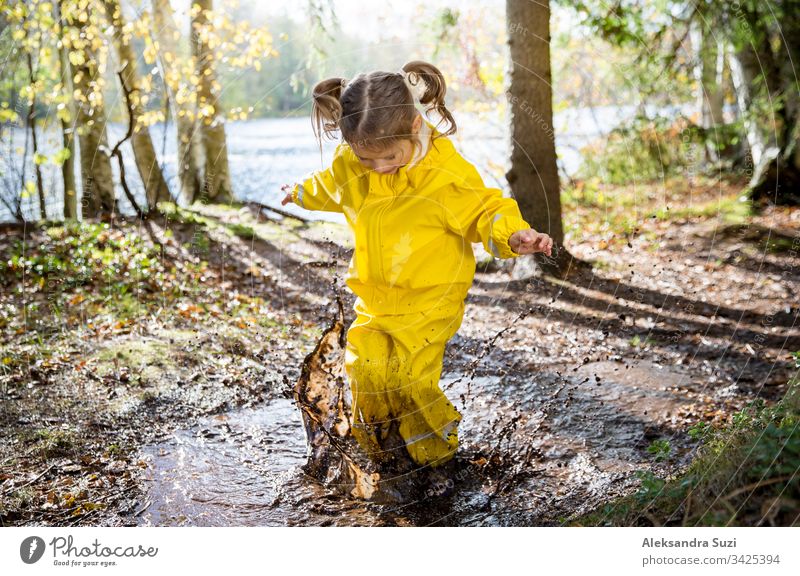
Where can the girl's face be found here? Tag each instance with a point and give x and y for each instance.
(389, 160)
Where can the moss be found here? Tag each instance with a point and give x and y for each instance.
(53, 442)
(182, 215)
(781, 244)
(201, 243)
(126, 307)
(146, 361)
(242, 231)
(638, 342)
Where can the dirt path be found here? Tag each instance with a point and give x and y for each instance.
(179, 414)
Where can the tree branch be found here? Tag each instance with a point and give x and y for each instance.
(116, 150)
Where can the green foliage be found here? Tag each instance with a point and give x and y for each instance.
(77, 254)
(739, 467)
(730, 210)
(777, 450)
(676, 46)
(182, 215)
(61, 156)
(443, 28)
(699, 431)
(651, 486)
(660, 449)
(654, 489)
(644, 149)
(201, 244)
(636, 341)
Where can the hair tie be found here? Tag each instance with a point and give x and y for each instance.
(417, 88)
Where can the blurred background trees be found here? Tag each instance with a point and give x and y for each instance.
(639, 91)
(66, 59)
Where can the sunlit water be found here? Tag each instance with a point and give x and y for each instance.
(264, 154)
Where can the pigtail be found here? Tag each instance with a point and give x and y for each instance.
(435, 90)
(326, 108)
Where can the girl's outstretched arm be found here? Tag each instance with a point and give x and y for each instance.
(481, 214)
(322, 190)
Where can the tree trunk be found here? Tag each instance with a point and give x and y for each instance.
(759, 69)
(713, 82)
(744, 71)
(32, 125)
(36, 166)
(777, 177)
(67, 131)
(144, 152)
(97, 179)
(711, 87)
(533, 175)
(68, 172)
(96, 175)
(774, 146)
(167, 34)
(216, 179)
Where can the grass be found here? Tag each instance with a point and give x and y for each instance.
(730, 210)
(145, 359)
(782, 244)
(743, 474)
(608, 215)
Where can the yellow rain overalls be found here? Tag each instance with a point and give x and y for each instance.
(411, 269)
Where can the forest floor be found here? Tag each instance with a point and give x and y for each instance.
(116, 336)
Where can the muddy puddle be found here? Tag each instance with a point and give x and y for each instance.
(535, 450)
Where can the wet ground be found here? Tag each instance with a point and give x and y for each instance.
(535, 450)
(568, 389)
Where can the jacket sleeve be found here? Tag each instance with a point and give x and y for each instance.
(323, 190)
(481, 214)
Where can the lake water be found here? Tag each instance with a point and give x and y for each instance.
(264, 154)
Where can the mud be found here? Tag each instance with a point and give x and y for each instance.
(535, 450)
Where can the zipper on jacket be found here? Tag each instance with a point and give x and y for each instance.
(379, 219)
(379, 225)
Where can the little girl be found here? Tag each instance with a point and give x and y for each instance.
(415, 206)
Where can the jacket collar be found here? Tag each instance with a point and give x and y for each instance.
(424, 157)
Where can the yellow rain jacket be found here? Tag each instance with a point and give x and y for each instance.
(413, 229)
(411, 269)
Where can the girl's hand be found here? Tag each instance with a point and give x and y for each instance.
(530, 241)
(288, 198)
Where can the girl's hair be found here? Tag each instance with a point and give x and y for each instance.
(377, 109)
